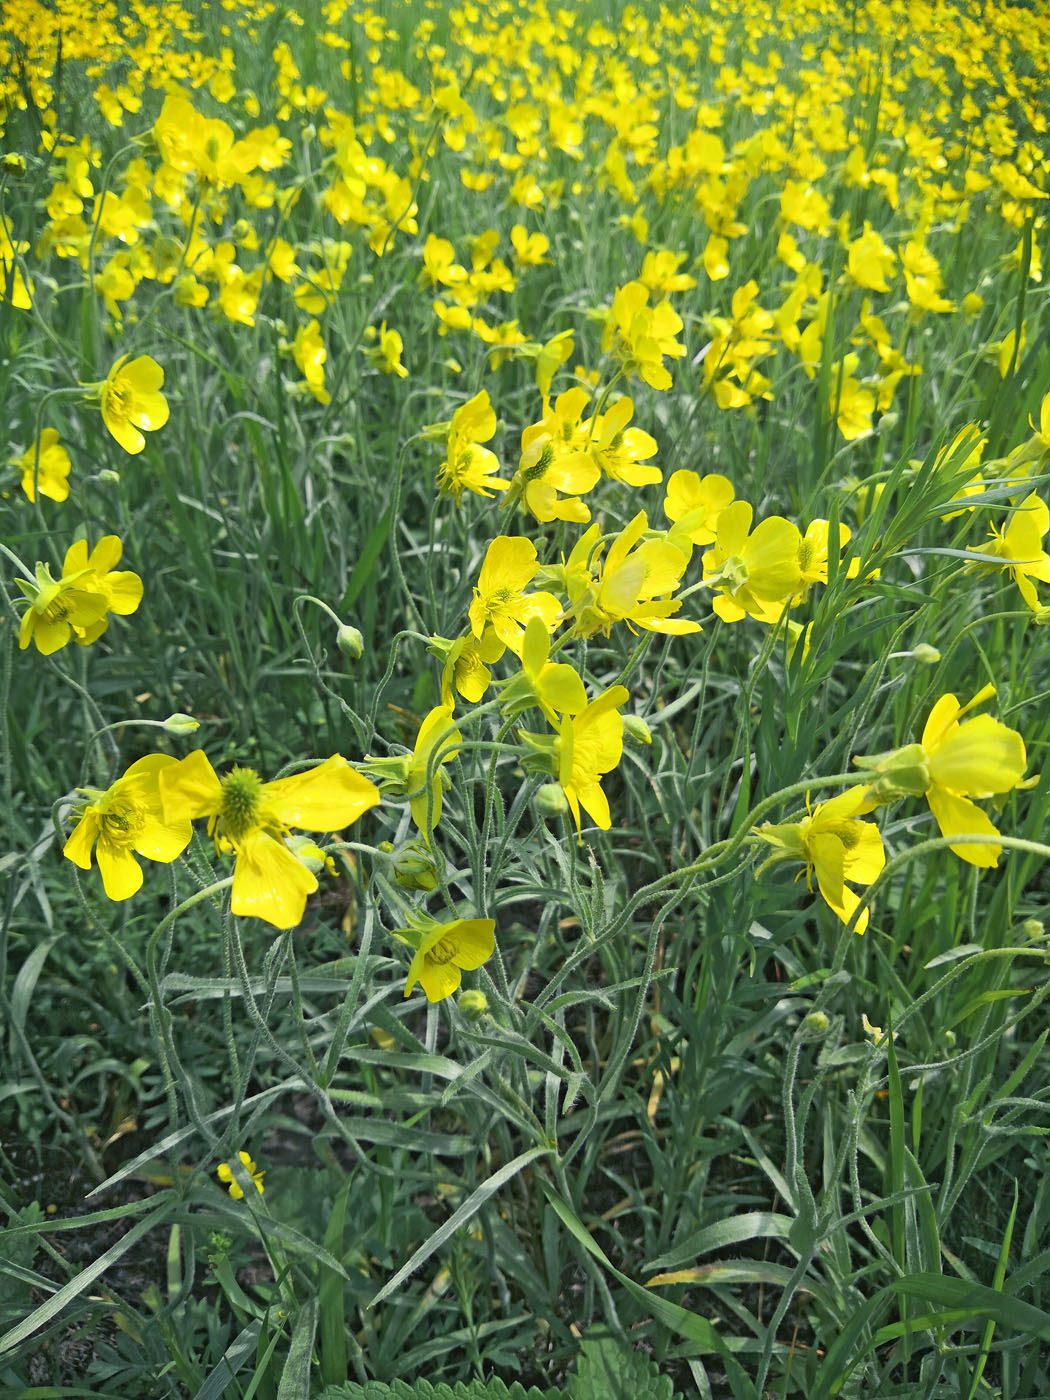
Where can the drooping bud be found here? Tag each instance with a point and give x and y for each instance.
(350, 642)
(636, 731)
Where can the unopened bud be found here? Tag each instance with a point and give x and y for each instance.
(551, 800)
(350, 642)
(111, 478)
(181, 724)
(473, 1004)
(815, 1024)
(13, 164)
(636, 731)
(922, 651)
(414, 867)
(1033, 928)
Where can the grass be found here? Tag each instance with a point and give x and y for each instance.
(669, 1150)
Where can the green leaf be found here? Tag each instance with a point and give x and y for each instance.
(609, 1369)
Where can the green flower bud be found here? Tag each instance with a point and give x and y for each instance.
(551, 801)
(1033, 928)
(414, 867)
(350, 642)
(636, 731)
(181, 724)
(111, 478)
(473, 1004)
(815, 1024)
(929, 656)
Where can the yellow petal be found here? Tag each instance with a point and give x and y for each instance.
(475, 941)
(269, 883)
(957, 816)
(326, 798)
(120, 871)
(190, 788)
(81, 840)
(980, 757)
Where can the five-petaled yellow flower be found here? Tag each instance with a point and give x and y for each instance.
(836, 846)
(128, 820)
(591, 744)
(500, 600)
(252, 819)
(443, 952)
(131, 400)
(49, 466)
(978, 758)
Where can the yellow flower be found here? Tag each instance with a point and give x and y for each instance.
(1020, 547)
(406, 775)
(465, 664)
(309, 354)
(74, 607)
(591, 744)
(554, 686)
(52, 467)
(979, 758)
(225, 1174)
(128, 818)
(468, 466)
(836, 846)
(386, 354)
(500, 600)
(252, 818)
(122, 591)
(443, 952)
(131, 400)
(619, 450)
(694, 504)
(640, 336)
(556, 458)
(757, 572)
(636, 577)
(869, 260)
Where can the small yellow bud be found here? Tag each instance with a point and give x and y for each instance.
(1032, 928)
(13, 164)
(815, 1024)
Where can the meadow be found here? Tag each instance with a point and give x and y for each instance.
(394, 1007)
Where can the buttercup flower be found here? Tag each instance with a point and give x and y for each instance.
(835, 845)
(131, 400)
(978, 758)
(500, 600)
(590, 745)
(756, 571)
(253, 818)
(1020, 547)
(124, 821)
(225, 1174)
(443, 952)
(52, 467)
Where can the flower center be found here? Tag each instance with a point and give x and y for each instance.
(443, 951)
(542, 462)
(118, 401)
(121, 823)
(241, 805)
